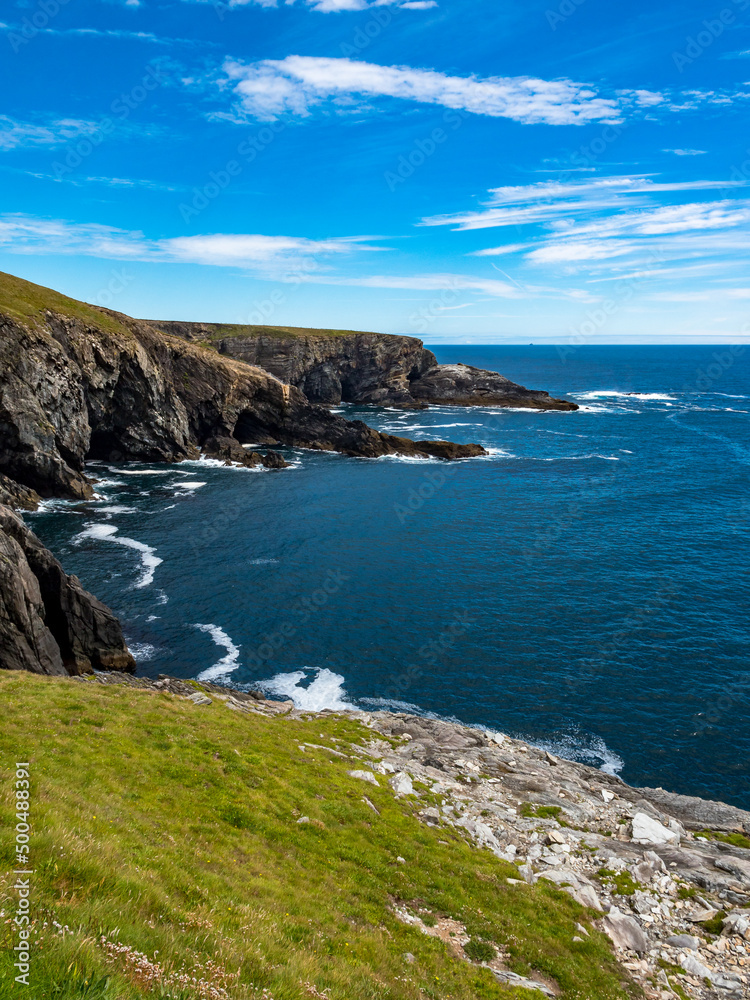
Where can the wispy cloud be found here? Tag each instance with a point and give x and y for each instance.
(272, 87)
(686, 152)
(613, 224)
(547, 201)
(336, 6)
(14, 133)
(26, 234)
(438, 282)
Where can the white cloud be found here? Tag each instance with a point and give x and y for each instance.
(546, 201)
(686, 152)
(615, 224)
(272, 87)
(420, 282)
(255, 252)
(336, 6)
(14, 133)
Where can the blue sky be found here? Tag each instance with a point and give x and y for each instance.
(478, 171)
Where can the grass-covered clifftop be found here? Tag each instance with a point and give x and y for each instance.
(169, 830)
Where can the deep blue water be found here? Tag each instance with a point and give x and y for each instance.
(584, 587)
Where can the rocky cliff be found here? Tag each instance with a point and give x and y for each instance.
(48, 623)
(80, 382)
(331, 366)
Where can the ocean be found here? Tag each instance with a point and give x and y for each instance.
(584, 586)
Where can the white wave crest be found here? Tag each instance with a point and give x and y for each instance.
(142, 651)
(325, 690)
(108, 533)
(227, 664)
(586, 749)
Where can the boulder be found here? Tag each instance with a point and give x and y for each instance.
(364, 776)
(647, 830)
(401, 784)
(625, 932)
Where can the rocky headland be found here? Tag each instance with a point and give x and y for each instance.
(78, 382)
(334, 366)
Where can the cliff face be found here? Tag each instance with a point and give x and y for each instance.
(331, 366)
(48, 623)
(78, 382)
(328, 366)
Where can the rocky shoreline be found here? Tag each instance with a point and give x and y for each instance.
(664, 875)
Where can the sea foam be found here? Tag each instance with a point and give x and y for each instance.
(324, 691)
(227, 664)
(108, 533)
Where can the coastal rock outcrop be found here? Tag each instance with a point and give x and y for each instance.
(79, 382)
(48, 623)
(334, 366)
(464, 385)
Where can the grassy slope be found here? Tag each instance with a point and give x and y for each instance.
(223, 331)
(25, 301)
(171, 829)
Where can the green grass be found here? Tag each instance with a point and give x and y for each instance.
(736, 839)
(225, 331)
(622, 883)
(170, 830)
(530, 811)
(27, 302)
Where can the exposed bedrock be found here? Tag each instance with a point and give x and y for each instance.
(463, 385)
(341, 366)
(79, 382)
(48, 623)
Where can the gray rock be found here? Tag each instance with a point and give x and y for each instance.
(199, 699)
(401, 784)
(698, 814)
(693, 966)
(625, 932)
(364, 776)
(682, 941)
(647, 830)
(48, 623)
(464, 385)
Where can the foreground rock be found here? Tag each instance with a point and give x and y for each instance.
(335, 366)
(79, 382)
(677, 913)
(48, 623)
